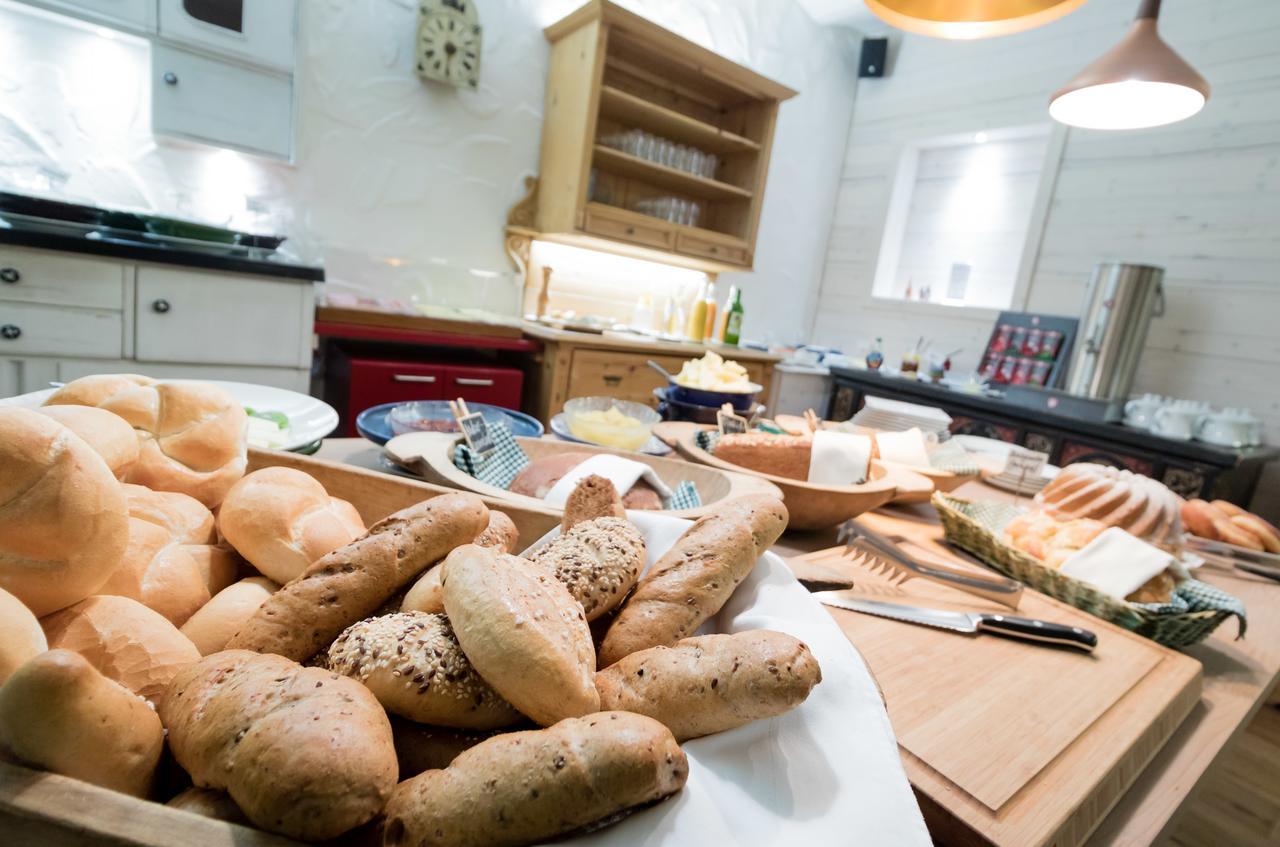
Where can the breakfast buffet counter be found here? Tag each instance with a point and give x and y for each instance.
(1238, 677)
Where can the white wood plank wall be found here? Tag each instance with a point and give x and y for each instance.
(1200, 198)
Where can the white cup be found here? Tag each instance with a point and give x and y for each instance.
(1177, 421)
(1140, 411)
(1225, 429)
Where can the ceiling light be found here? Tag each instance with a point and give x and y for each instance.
(966, 19)
(1138, 83)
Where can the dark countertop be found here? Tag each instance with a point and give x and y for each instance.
(1112, 433)
(167, 254)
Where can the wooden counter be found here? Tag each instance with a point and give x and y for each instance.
(1238, 677)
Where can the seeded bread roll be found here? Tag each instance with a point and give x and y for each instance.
(412, 663)
(593, 497)
(58, 713)
(425, 595)
(212, 626)
(598, 561)
(528, 787)
(353, 581)
(696, 576)
(711, 683)
(523, 632)
(303, 752)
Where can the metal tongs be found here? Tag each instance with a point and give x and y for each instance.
(891, 562)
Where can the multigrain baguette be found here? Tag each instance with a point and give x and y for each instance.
(711, 683)
(302, 751)
(696, 576)
(527, 787)
(523, 632)
(353, 581)
(501, 534)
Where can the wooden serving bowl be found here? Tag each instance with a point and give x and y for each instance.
(431, 455)
(810, 506)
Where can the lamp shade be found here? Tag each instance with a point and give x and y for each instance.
(967, 19)
(1141, 82)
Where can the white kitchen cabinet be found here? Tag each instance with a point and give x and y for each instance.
(190, 316)
(35, 329)
(258, 31)
(137, 16)
(206, 99)
(38, 276)
(19, 375)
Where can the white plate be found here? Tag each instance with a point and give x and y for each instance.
(826, 769)
(309, 419)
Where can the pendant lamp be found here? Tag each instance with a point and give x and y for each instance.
(1138, 83)
(966, 19)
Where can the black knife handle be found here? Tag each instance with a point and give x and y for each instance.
(1033, 630)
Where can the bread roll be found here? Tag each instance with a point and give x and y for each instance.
(212, 626)
(209, 804)
(109, 435)
(1227, 508)
(183, 517)
(538, 477)
(191, 435)
(779, 455)
(21, 637)
(528, 787)
(124, 640)
(1137, 504)
(696, 576)
(425, 595)
(63, 521)
(303, 752)
(412, 663)
(159, 573)
(523, 631)
(598, 560)
(351, 583)
(1263, 531)
(1232, 533)
(711, 683)
(593, 497)
(1199, 518)
(218, 564)
(281, 520)
(59, 714)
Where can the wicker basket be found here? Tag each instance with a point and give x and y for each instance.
(1195, 610)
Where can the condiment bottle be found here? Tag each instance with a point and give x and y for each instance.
(709, 329)
(697, 324)
(733, 317)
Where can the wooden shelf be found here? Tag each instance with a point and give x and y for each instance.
(625, 107)
(624, 164)
(649, 220)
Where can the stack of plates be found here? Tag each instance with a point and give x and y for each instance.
(896, 416)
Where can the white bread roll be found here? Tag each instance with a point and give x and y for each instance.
(191, 435)
(218, 564)
(159, 573)
(184, 517)
(58, 713)
(281, 520)
(212, 626)
(21, 637)
(109, 435)
(124, 640)
(63, 520)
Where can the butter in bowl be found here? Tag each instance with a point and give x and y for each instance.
(609, 422)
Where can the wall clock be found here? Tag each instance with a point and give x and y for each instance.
(448, 43)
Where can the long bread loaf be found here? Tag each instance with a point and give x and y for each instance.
(696, 576)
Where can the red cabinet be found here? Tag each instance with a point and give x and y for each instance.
(372, 382)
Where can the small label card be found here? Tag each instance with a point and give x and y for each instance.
(729, 421)
(474, 428)
(1025, 464)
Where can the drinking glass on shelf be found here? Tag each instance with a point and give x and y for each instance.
(646, 145)
(666, 152)
(709, 164)
(694, 160)
(695, 212)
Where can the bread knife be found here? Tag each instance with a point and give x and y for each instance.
(971, 623)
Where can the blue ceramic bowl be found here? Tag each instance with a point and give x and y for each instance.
(374, 423)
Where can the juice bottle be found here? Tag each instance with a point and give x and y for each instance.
(709, 329)
(696, 327)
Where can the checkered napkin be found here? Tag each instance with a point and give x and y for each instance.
(500, 466)
(707, 439)
(951, 457)
(497, 467)
(1192, 595)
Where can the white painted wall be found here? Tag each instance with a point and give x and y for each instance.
(400, 186)
(1201, 198)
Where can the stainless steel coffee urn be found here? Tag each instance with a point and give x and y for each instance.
(1119, 303)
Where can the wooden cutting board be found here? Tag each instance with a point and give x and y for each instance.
(1006, 742)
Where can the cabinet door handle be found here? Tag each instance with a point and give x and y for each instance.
(160, 306)
(612, 380)
(10, 332)
(170, 78)
(412, 378)
(9, 275)
(479, 383)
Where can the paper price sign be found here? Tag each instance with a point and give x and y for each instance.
(730, 422)
(1025, 463)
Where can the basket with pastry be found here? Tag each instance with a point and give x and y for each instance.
(184, 632)
(1107, 541)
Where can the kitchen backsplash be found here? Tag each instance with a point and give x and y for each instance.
(402, 187)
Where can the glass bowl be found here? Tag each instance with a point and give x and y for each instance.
(610, 422)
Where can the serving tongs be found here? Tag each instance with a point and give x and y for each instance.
(889, 561)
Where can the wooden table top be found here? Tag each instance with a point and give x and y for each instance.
(1238, 675)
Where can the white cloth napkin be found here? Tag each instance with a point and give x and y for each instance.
(904, 448)
(623, 473)
(839, 458)
(826, 773)
(1116, 562)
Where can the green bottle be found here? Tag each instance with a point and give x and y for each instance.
(733, 317)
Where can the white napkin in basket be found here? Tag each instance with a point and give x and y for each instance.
(839, 458)
(623, 473)
(1116, 562)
